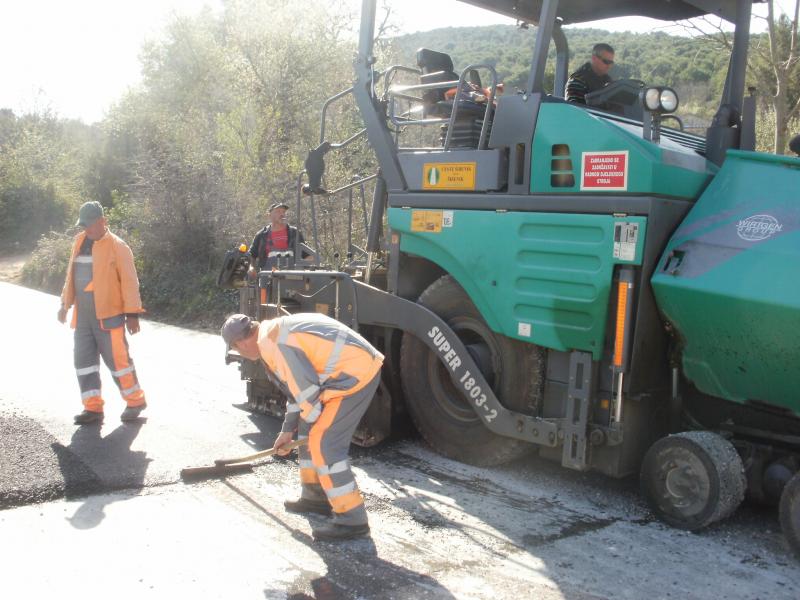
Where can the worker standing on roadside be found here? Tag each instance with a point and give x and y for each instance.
(104, 289)
(330, 373)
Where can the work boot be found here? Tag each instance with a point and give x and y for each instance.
(87, 417)
(333, 532)
(131, 413)
(303, 506)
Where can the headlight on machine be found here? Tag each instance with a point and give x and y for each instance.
(660, 99)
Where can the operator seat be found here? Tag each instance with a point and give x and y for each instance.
(437, 67)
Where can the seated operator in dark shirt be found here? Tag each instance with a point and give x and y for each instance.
(592, 76)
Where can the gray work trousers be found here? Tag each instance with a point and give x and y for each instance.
(325, 472)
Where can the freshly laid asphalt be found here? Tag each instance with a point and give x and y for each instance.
(100, 511)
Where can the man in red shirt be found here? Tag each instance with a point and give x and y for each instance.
(276, 244)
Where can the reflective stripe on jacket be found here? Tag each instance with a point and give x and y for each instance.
(114, 280)
(317, 359)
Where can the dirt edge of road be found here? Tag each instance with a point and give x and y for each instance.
(11, 267)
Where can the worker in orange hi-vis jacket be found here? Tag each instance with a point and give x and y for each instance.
(330, 374)
(103, 287)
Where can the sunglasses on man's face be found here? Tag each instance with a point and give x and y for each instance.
(605, 61)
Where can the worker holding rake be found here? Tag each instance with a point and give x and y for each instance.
(330, 374)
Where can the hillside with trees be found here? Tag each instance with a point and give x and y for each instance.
(694, 67)
(228, 107)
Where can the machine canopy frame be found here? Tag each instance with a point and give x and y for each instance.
(580, 11)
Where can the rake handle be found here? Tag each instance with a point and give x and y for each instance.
(221, 462)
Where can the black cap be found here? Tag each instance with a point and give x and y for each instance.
(275, 205)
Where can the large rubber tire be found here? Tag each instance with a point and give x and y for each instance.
(513, 369)
(693, 479)
(789, 512)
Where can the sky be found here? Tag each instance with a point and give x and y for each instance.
(77, 57)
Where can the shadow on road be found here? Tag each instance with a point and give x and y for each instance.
(543, 523)
(354, 569)
(268, 428)
(92, 464)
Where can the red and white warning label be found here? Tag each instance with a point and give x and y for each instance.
(607, 171)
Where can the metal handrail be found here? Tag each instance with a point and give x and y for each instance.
(352, 184)
(422, 86)
(389, 73)
(357, 181)
(393, 93)
(314, 230)
(325, 106)
(323, 119)
(486, 114)
(349, 140)
(401, 92)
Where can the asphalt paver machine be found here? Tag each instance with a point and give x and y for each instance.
(590, 282)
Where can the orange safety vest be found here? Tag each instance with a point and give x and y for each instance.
(317, 358)
(114, 280)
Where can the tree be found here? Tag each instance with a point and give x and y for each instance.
(776, 67)
(42, 163)
(773, 65)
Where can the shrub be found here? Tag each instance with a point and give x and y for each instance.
(47, 267)
(25, 213)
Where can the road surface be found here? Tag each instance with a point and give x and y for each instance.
(96, 512)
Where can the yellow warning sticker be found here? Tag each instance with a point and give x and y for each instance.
(448, 176)
(426, 220)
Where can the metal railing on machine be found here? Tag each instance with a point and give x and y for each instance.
(394, 94)
(339, 229)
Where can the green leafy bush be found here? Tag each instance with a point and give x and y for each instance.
(26, 212)
(47, 267)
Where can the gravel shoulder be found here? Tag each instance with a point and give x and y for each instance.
(11, 267)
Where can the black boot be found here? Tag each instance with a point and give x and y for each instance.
(304, 506)
(87, 417)
(131, 413)
(333, 532)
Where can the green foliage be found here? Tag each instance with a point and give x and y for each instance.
(46, 269)
(25, 212)
(761, 68)
(187, 163)
(183, 296)
(691, 65)
(774, 69)
(40, 183)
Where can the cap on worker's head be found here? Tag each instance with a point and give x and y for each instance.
(275, 205)
(89, 213)
(235, 328)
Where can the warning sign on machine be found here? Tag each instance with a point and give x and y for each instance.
(429, 221)
(448, 176)
(607, 171)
